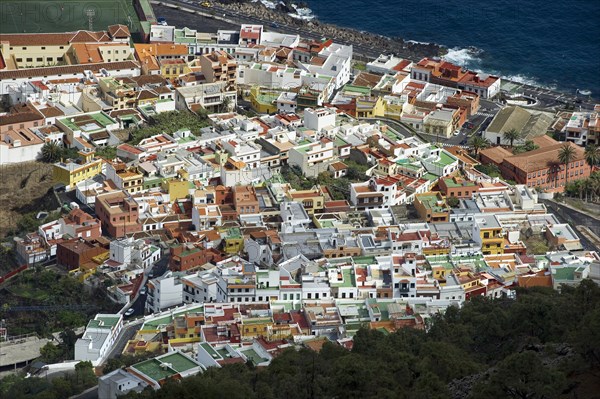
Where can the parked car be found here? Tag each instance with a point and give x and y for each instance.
(143, 291)
(129, 312)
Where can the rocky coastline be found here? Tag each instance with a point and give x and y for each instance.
(375, 44)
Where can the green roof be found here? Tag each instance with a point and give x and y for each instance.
(156, 369)
(564, 273)
(254, 357)
(364, 260)
(357, 89)
(348, 279)
(464, 183)
(430, 202)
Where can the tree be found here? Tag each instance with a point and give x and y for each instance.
(511, 135)
(592, 155)
(478, 143)
(566, 154)
(452, 202)
(51, 152)
(522, 375)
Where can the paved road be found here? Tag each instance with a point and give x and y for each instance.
(91, 394)
(575, 219)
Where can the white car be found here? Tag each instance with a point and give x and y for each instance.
(456, 132)
(129, 312)
(143, 291)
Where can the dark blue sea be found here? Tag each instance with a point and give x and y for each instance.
(545, 42)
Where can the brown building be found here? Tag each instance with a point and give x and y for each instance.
(118, 213)
(457, 187)
(186, 256)
(22, 116)
(466, 100)
(432, 207)
(219, 66)
(245, 200)
(77, 253)
(539, 168)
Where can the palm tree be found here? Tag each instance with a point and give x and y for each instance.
(478, 143)
(592, 155)
(511, 135)
(51, 152)
(566, 154)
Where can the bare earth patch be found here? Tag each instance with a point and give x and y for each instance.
(21, 187)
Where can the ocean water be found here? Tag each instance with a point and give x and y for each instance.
(553, 43)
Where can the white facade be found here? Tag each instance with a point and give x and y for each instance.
(98, 338)
(164, 292)
(318, 119)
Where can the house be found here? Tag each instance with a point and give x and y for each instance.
(219, 66)
(100, 334)
(432, 207)
(213, 97)
(118, 213)
(20, 145)
(172, 365)
(70, 172)
(78, 254)
(457, 187)
(312, 157)
(163, 292)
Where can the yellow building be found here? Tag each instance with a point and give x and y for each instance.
(370, 107)
(312, 200)
(489, 231)
(172, 69)
(263, 101)
(394, 107)
(436, 250)
(177, 188)
(256, 327)
(233, 241)
(70, 173)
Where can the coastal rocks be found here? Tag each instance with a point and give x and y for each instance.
(365, 43)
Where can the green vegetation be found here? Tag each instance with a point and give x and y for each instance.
(566, 154)
(29, 222)
(108, 152)
(592, 155)
(18, 387)
(511, 135)
(490, 169)
(170, 122)
(540, 345)
(338, 187)
(52, 153)
(452, 202)
(478, 143)
(39, 287)
(586, 189)
(361, 66)
(529, 145)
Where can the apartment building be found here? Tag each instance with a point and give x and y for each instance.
(312, 157)
(118, 213)
(219, 66)
(447, 74)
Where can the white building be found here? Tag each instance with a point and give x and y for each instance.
(313, 158)
(320, 118)
(163, 292)
(98, 338)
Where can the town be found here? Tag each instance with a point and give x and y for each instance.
(237, 192)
